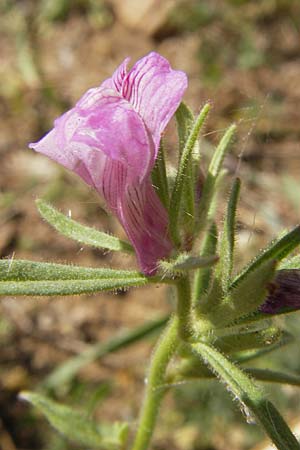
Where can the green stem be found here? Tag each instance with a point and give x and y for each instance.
(184, 308)
(156, 386)
(250, 395)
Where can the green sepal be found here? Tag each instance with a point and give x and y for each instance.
(203, 276)
(240, 301)
(184, 120)
(81, 233)
(245, 298)
(19, 277)
(76, 427)
(226, 250)
(278, 249)
(214, 172)
(246, 341)
(159, 177)
(69, 369)
(251, 397)
(250, 355)
(182, 175)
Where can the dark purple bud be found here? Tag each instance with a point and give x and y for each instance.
(284, 292)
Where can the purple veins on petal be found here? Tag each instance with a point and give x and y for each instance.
(284, 293)
(111, 139)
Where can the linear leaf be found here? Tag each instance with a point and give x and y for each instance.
(19, 277)
(24, 270)
(272, 376)
(76, 427)
(251, 397)
(195, 372)
(67, 370)
(81, 233)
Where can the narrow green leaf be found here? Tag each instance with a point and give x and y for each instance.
(226, 251)
(68, 370)
(34, 278)
(251, 397)
(76, 427)
(178, 189)
(23, 270)
(66, 287)
(159, 177)
(203, 276)
(277, 249)
(213, 174)
(272, 376)
(81, 233)
(192, 370)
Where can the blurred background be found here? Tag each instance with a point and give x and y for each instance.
(242, 55)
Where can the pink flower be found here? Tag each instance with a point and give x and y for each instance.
(111, 140)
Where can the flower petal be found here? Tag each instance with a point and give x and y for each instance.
(116, 81)
(155, 91)
(146, 223)
(101, 122)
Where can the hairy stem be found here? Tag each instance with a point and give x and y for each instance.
(156, 386)
(184, 308)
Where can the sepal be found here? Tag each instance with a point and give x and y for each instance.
(182, 174)
(245, 298)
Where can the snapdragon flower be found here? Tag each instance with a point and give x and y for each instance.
(111, 140)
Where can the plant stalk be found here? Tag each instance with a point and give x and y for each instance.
(155, 385)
